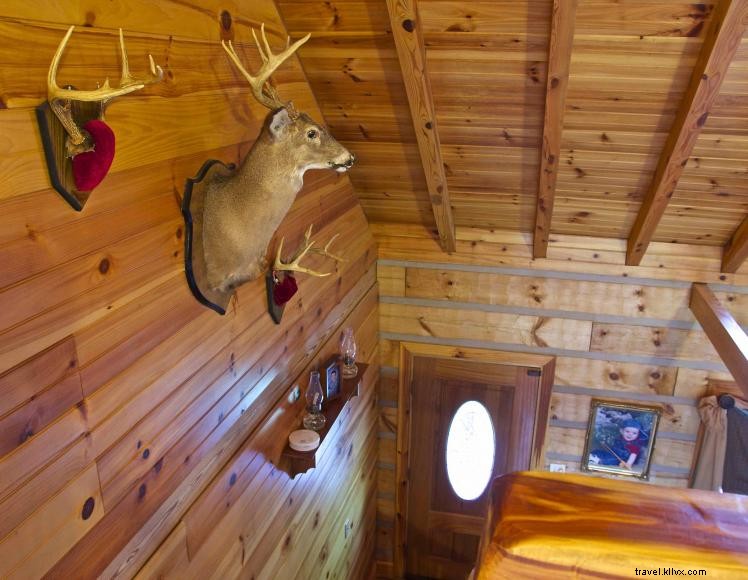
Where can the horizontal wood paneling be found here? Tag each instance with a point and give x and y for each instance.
(122, 398)
(618, 334)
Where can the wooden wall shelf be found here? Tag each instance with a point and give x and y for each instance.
(296, 462)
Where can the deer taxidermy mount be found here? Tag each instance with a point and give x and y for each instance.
(78, 144)
(231, 213)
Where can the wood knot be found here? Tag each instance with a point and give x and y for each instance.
(409, 25)
(88, 508)
(226, 20)
(104, 266)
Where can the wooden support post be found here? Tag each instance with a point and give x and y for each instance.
(406, 30)
(559, 56)
(726, 30)
(727, 336)
(736, 250)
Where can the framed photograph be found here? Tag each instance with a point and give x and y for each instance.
(620, 438)
(332, 382)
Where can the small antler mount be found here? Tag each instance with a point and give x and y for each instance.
(78, 145)
(281, 284)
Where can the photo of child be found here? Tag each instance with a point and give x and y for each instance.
(332, 383)
(620, 438)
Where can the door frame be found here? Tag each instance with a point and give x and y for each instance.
(546, 364)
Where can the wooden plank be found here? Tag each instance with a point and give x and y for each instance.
(391, 280)
(36, 452)
(26, 421)
(110, 345)
(616, 376)
(19, 505)
(629, 300)
(78, 276)
(488, 326)
(736, 250)
(729, 339)
(53, 529)
(35, 334)
(170, 557)
(23, 382)
(652, 341)
(406, 29)
(559, 57)
(695, 383)
(728, 23)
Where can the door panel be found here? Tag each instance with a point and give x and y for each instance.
(444, 530)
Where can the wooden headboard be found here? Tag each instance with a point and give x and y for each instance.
(544, 525)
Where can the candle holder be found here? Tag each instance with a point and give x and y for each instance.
(314, 419)
(348, 354)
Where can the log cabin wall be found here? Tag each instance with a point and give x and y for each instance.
(129, 414)
(618, 332)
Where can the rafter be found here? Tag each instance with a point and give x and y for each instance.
(722, 40)
(559, 56)
(736, 250)
(727, 336)
(411, 52)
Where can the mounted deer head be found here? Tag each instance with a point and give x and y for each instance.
(80, 158)
(232, 213)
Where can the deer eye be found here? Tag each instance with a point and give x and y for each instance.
(311, 133)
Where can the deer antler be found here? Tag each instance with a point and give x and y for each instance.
(306, 247)
(263, 91)
(60, 98)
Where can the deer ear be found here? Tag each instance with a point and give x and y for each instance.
(280, 123)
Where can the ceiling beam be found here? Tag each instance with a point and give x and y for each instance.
(559, 56)
(411, 51)
(727, 25)
(736, 250)
(727, 336)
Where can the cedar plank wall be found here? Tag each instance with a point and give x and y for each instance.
(115, 384)
(618, 332)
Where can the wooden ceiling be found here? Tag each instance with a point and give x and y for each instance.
(644, 114)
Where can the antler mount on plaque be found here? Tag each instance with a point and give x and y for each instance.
(232, 212)
(281, 283)
(78, 144)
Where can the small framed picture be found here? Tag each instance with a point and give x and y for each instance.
(620, 438)
(332, 383)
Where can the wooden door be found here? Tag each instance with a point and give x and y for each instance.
(443, 530)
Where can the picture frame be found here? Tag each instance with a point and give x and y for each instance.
(332, 380)
(620, 438)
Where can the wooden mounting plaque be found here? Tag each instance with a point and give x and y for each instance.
(276, 312)
(193, 203)
(54, 136)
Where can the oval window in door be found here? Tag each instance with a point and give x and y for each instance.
(471, 446)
